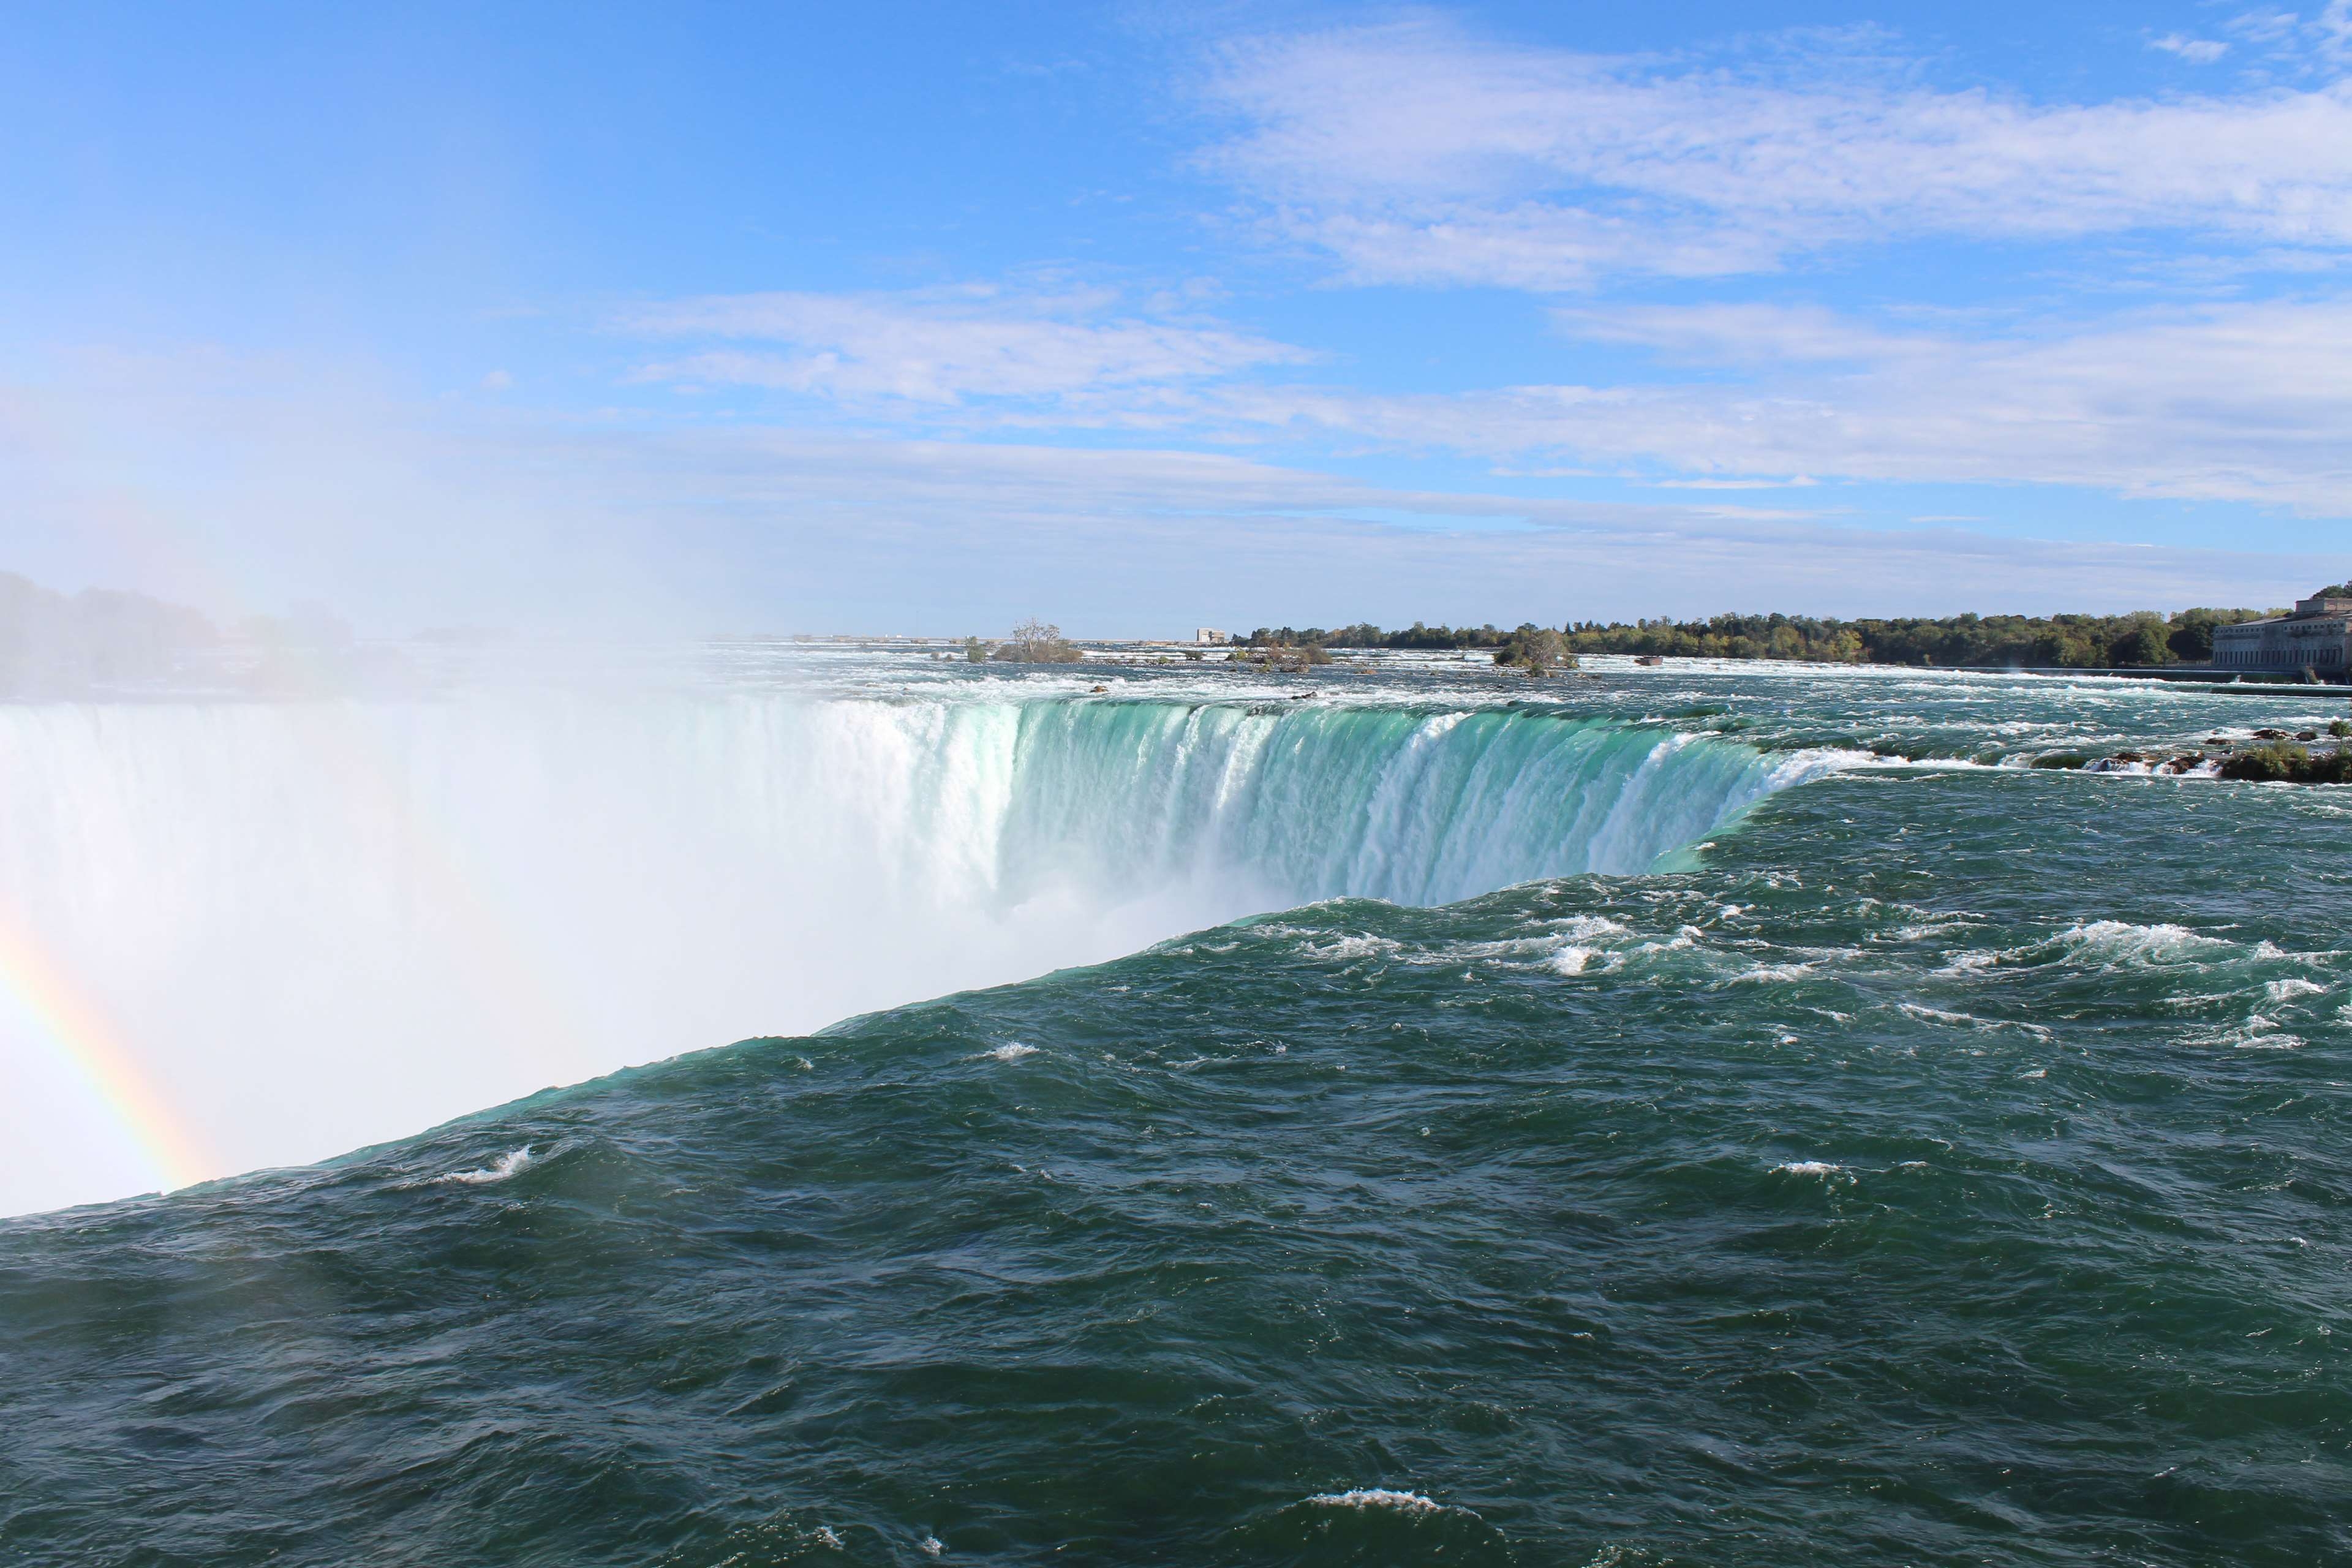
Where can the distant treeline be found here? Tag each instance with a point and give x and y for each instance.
(65, 645)
(1366, 634)
(2144, 638)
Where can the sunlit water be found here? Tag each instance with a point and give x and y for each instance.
(1700, 1116)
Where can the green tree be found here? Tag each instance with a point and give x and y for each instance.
(1038, 642)
(1535, 650)
(2143, 640)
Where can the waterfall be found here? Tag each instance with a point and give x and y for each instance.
(311, 926)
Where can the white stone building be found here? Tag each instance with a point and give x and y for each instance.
(2317, 638)
(1209, 635)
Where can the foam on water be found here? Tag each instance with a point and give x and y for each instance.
(2107, 945)
(1348, 947)
(513, 1162)
(1969, 1020)
(1379, 1496)
(1773, 974)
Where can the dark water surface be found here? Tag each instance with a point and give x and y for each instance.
(1950, 1168)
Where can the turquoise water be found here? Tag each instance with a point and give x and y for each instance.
(1877, 1161)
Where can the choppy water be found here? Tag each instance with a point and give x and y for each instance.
(1878, 1161)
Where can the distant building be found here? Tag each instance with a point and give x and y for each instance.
(2317, 638)
(1207, 635)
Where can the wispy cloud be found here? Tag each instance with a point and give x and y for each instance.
(2240, 402)
(2266, 27)
(510, 519)
(2196, 51)
(1744, 333)
(2332, 30)
(945, 346)
(1411, 152)
(2245, 403)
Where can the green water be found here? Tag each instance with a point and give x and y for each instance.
(1940, 1165)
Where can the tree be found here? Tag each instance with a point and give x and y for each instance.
(2143, 641)
(1535, 650)
(2191, 639)
(1037, 642)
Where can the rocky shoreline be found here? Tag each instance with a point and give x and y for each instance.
(2268, 756)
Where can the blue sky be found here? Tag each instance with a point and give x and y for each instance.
(922, 318)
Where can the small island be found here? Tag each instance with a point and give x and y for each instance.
(1032, 642)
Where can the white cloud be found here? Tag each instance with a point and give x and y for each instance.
(946, 533)
(1413, 153)
(2284, 45)
(2265, 27)
(2196, 51)
(402, 516)
(1743, 334)
(945, 345)
(2240, 403)
(2332, 31)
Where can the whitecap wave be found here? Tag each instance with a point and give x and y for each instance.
(1349, 947)
(1011, 1052)
(1970, 1020)
(1773, 974)
(1381, 1497)
(1585, 928)
(513, 1162)
(2120, 943)
(2256, 1033)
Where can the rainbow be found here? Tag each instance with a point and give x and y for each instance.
(78, 1033)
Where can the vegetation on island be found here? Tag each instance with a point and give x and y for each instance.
(1526, 647)
(2081, 642)
(1032, 642)
(2272, 756)
(2281, 761)
(1364, 635)
(1535, 650)
(1280, 655)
